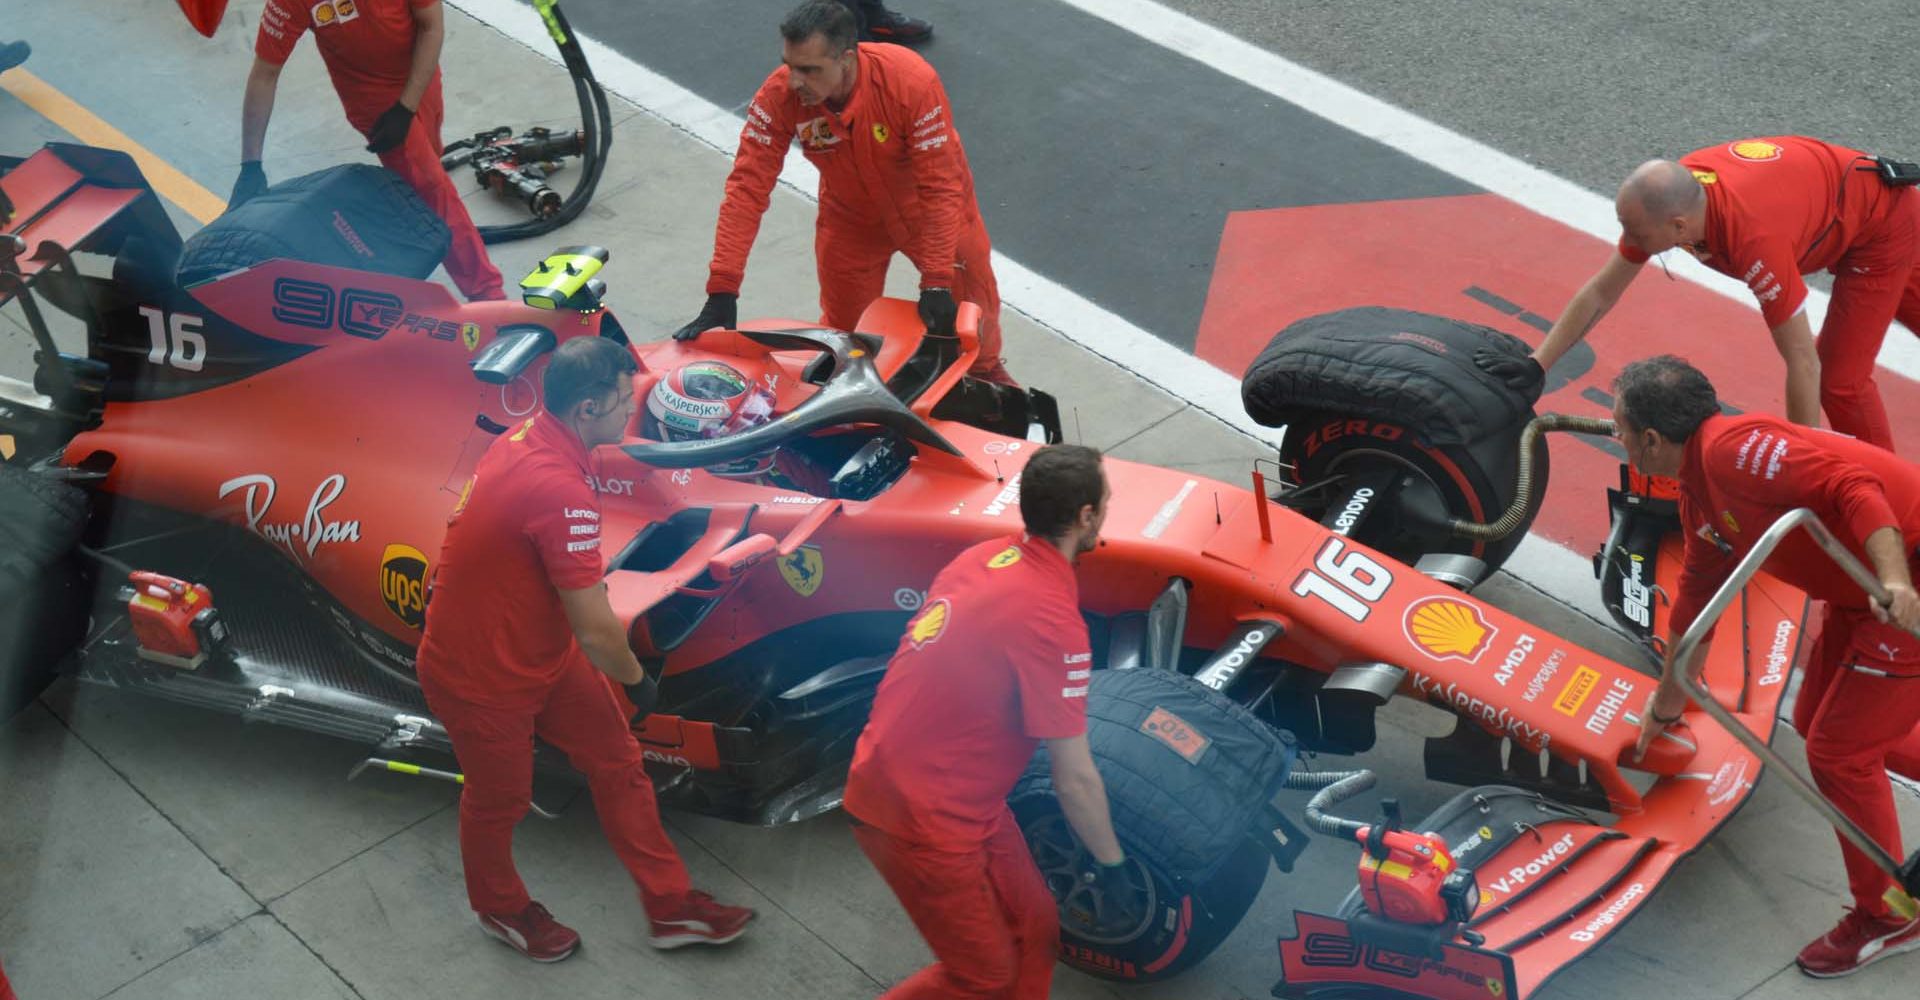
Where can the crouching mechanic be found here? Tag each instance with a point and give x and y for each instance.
(1860, 700)
(384, 59)
(518, 635)
(876, 121)
(996, 661)
(1766, 212)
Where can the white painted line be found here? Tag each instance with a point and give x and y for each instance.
(1441, 147)
(1548, 565)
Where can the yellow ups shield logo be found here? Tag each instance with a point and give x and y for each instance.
(403, 583)
(1448, 629)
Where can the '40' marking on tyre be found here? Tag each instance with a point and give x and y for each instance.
(1350, 581)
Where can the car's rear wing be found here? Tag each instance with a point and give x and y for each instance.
(70, 198)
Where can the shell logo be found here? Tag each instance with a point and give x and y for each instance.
(1755, 150)
(1444, 629)
(929, 624)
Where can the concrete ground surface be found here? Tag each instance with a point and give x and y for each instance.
(155, 851)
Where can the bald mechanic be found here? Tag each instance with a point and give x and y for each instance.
(996, 662)
(519, 640)
(1859, 703)
(1767, 211)
(384, 58)
(877, 123)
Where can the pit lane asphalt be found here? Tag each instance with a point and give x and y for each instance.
(153, 851)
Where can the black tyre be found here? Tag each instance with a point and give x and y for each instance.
(44, 589)
(1432, 483)
(1182, 921)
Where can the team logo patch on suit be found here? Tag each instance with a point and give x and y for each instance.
(929, 624)
(880, 132)
(1755, 150)
(803, 570)
(1444, 628)
(403, 583)
(1004, 558)
(333, 12)
(1705, 176)
(816, 133)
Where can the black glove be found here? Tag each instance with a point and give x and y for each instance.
(390, 129)
(1522, 374)
(1117, 899)
(644, 696)
(938, 310)
(722, 310)
(252, 181)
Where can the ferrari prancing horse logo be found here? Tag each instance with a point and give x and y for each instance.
(803, 570)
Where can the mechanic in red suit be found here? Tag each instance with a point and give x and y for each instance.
(518, 635)
(6, 988)
(384, 58)
(1766, 211)
(876, 121)
(996, 661)
(1859, 703)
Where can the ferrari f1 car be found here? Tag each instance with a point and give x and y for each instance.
(239, 484)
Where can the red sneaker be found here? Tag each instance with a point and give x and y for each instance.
(1858, 942)
(532, 932)
(697, 919)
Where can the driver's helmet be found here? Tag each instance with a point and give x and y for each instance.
(712, 399)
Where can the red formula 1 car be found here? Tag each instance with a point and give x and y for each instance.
(266, 455)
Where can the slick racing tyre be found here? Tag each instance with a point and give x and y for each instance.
(1432, 484)
(43, 589)
(1188, 776)
(1392, 428)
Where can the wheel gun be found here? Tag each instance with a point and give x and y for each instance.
(517, 165)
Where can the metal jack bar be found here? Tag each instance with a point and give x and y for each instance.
(1805, 519)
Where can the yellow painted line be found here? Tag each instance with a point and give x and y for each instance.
(91, 129)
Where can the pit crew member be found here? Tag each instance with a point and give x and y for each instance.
(877, 122)
(518, 635)
(384, 58)
(1860, 700)
(1767, 211)
(996, 661)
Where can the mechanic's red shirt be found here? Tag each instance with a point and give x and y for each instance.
(1775, 211)
(890, 160)
(527, 528)
(366, 44)
(996, 660)
(1741, 474)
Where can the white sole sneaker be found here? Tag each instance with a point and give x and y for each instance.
(506, 936)
(672, 941)
(1880, 951)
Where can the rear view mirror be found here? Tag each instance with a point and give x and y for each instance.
(729, 563)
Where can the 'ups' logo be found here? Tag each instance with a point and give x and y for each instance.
(1444, 629)
(403, 583)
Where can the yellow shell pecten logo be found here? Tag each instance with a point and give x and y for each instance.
(1445, 628)
(929, 623)
(1756, 150)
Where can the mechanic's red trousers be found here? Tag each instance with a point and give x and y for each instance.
(417, 161)
(985, 912)
(1857, 725)
(582, 717)
(1873, 284)
(6, 989)
(851, 258)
